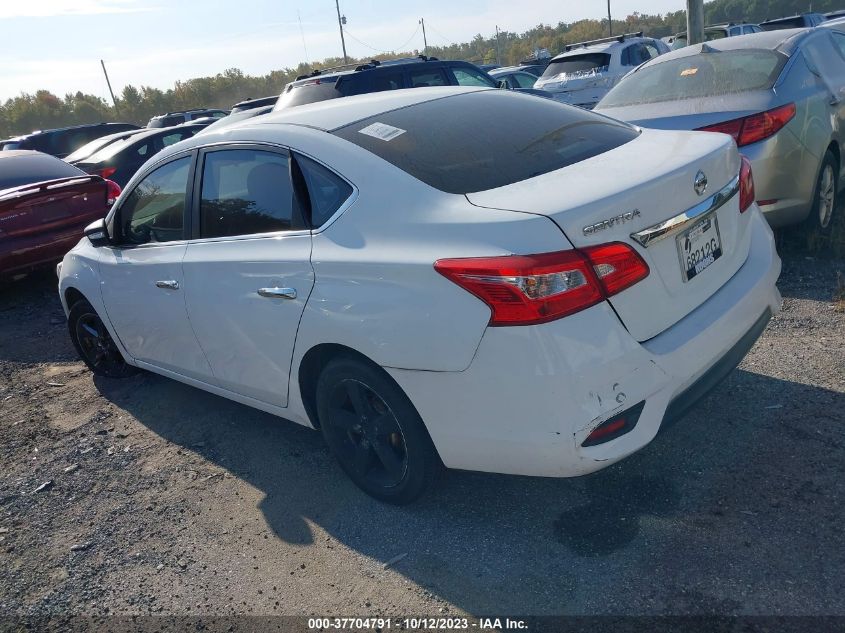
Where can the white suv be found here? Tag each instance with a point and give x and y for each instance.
(585, 72)
(427, 289)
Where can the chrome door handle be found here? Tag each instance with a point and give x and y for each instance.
(168, 284)
(277, 293)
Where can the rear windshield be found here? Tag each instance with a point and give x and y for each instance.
(697, 76)
(89, 148)
(112, 149)
(31, 168)
(312, 92)
(578, 64)
(787, 23)
(450, 144)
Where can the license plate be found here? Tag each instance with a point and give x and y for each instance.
(699, 246)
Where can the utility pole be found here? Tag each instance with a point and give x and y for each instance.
(609, 20)
(340, 22)
(108, 83)
(695, 21)
(425, 41)
(498, 51)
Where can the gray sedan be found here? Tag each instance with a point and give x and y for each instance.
(781, 95)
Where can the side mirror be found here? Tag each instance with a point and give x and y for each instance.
(502, 83)
(97, 233)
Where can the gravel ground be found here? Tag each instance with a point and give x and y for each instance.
(147, 496)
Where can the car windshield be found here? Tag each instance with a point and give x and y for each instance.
(709, 36)
(698, 76)
(31, 168)
(448, 143)
(574, 65)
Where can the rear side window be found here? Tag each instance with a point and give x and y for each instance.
(698, 76)
(386, 81)
(326, 190)
(575, 65)
(425, 78)
(155, 209)
(31, 168)
(246, 191)
(449, 143)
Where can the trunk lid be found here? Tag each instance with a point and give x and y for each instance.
(51, 207)
(631, 188)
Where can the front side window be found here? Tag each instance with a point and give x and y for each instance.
(246, 191)
(155, 210)
(425, 78)
(469, 77)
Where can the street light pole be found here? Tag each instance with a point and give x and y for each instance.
(340, 25)
(425, 41)
(609, 20)
(695, 21)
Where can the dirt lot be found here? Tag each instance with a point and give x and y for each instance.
(147, 496)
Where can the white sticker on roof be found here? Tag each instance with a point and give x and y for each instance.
(382, 131)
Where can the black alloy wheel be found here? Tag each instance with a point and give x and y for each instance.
(374, 431)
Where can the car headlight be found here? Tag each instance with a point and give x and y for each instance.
(59, 270)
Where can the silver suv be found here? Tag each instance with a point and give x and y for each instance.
(586, 71)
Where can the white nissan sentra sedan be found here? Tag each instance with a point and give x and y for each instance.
(533, 297)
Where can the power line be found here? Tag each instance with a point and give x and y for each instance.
(379, 50)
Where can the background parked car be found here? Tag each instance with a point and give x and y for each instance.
(175, 118)
(376, 76)
(514, 76)
(584, 72)
(90, 148)
(235, 117)
(779, 94)
(45, 203)
(793, 22)
(717, 32)
(62, 141)
(120, 160)
(250, 104)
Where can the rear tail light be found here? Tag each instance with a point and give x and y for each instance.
(106, 172)
(746, 184)
(756, 127)
(531, 289)
(113, 191)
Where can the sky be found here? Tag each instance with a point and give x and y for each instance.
(57, 45)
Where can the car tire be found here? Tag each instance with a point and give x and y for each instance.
(826, 195)
(374, 431)
(94, 344)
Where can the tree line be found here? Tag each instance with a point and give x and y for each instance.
(44, 110)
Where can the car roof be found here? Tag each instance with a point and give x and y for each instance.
(792, 17)
(332, 114)
(505, 70)
(391, 64)
(784, 41)
(12, 153)
(64, 129)
(599, 47)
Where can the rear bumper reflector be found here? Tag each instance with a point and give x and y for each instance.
(615, 427)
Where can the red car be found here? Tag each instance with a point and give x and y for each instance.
(45, 203)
